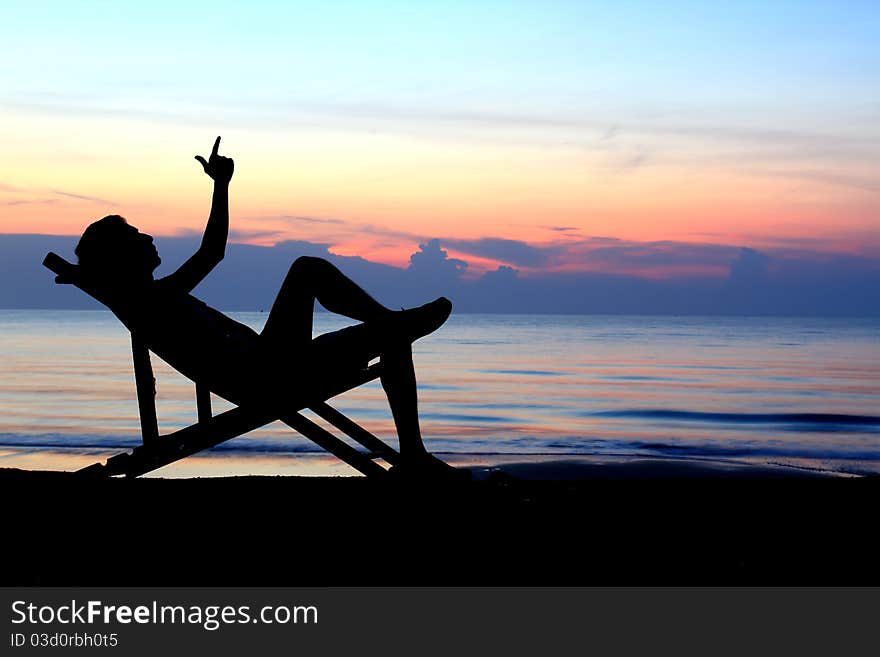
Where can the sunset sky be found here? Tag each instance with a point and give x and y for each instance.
(375, 126)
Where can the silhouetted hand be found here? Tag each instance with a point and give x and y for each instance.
(219, 168)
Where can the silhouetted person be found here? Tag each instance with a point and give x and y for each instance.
(233, 360)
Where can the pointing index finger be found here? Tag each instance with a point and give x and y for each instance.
(216, 146)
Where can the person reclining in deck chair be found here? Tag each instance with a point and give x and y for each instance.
(234, 361)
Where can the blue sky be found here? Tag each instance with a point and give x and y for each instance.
(554, 58)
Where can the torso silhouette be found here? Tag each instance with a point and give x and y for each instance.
(194, 338)
(230, 358)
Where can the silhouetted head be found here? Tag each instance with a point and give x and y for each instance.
(112, 247)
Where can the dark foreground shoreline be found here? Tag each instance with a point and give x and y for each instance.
(645, 524)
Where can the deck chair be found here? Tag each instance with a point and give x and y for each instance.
(210, 430)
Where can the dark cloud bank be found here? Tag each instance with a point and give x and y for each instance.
(756, 283)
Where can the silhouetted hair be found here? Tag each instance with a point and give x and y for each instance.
(97, 248)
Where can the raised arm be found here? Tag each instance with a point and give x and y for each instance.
(213, 246)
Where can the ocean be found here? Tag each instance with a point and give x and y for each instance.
(801, 392)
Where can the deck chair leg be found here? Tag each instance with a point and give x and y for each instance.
(203, 402)
(355, 431)
(145, 383)
(332, 444)
(180, 444)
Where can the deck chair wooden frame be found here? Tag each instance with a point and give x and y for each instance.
(210, 430)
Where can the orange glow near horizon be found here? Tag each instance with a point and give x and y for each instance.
(379, 196)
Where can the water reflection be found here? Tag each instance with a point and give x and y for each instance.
(490, 384)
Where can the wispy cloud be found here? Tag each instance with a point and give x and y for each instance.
(656, 257)
(512, 252)
(99, 107)
(312, 220)
(337, 229)
(36, 196)
(83, 197)
(31, 201)
(832, 178)
(601, 129)
(244, 235)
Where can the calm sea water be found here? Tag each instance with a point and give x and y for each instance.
(798, 391)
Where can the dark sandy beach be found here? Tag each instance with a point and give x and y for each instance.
(561, 523)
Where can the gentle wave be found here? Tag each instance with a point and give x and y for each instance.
(802, 421)
(796, 450)
(76, 442)
(526, 445)
(524, 372)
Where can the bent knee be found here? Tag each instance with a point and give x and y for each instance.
(308, 263)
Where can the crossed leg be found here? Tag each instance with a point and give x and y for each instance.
(289, 328)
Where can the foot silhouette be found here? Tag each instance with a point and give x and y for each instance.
(415, 323)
